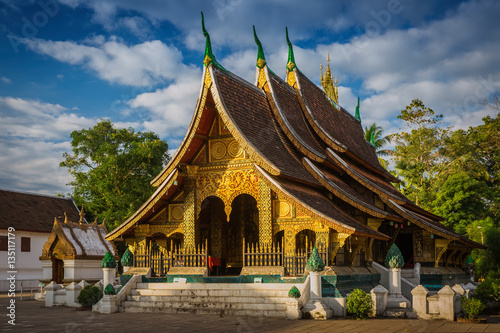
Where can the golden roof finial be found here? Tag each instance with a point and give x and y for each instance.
(329, 85)
(65, 218)
(82, 216)
(321, 69)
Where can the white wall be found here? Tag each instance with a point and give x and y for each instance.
(27, 265)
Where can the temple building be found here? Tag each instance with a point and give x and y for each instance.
(269, 169)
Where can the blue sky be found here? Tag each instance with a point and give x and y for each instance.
(65, 64)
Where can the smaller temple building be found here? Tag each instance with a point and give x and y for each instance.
(73, 251)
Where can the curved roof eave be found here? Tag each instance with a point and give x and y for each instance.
(336, 225)
(153, 199)
(339, 192)
(302, 146)
(414, 218)
(322, 133)
(195, 120)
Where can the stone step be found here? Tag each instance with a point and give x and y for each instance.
(210, 292)
(223, 312)
(220, 299)
(205, 305)
(218, 286)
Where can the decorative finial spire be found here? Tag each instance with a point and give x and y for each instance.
(330, 85)
(82, 216)
(357, 115)
(290, 65)
(209, 56)
(372, 139)
(65, 218)
(261, 59)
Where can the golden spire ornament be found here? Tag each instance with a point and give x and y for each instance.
(329, 85)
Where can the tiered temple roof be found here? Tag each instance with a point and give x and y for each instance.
(304, 147)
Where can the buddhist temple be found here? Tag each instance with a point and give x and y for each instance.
(270, 169)
(74, 250)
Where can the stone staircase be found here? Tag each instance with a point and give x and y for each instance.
(246, 299)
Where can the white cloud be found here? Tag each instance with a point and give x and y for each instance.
(33, 137)
(143, 64)
(169, 109)
(38, 120)
(6, 79)
(33, 166)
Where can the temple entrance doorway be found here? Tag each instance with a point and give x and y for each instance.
(243, 223)
(225, 238)
(404, 242)
(57, 262)
(305, 240)
(212, 224)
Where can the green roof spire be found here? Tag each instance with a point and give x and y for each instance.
(290, 65)
(261, 59)
(209, 56)
(357, 116)
(372, 139)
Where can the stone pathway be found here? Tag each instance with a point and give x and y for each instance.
(32, 316)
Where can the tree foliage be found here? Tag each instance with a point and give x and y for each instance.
(455, 173)
(416, 154)
(112, 168)
(379, 141)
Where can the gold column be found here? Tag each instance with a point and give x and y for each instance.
(265, 214)
(190, 209)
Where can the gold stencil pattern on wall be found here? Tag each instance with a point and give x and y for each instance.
(176, 212)
(282, 209)
(227, 185)
(234, 150)
(218, 150)
(225, 150)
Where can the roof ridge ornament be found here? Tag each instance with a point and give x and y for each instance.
(357, 115)
(82, 216)
(290, 65)
(261, 59)
(209, 56)
(372, 140)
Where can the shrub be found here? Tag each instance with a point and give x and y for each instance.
(89, 296)
(472, 306)
(359, 303)
(488, 290)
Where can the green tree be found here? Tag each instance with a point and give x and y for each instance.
(416, 154)
(112, 168)
(378, 138)
(461, 201)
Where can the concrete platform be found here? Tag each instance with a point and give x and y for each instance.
(31, 316)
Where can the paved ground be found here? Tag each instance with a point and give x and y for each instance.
(32, 316)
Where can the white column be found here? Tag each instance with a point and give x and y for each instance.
(109, 275)
(316, 292)
(395, 281)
